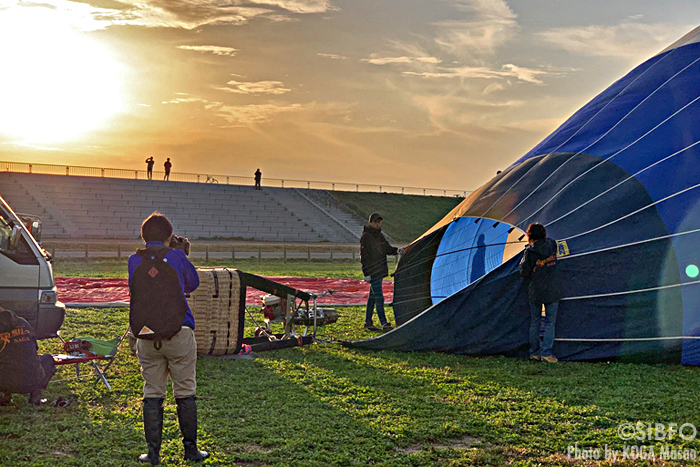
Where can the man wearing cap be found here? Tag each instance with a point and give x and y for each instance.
(373, 250)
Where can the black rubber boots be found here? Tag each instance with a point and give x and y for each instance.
(153, 429)
(187, 416)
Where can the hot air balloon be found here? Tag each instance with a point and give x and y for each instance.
(618, 185)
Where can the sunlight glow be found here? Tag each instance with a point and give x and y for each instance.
(56, 82)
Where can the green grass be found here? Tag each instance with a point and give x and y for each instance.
(328, 405)
(406, 217)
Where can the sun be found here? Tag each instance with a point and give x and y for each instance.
(56, 82)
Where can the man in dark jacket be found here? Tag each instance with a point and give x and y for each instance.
(538, 267)
(23, 370)
(373, 250)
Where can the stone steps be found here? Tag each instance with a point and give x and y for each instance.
(78, 207)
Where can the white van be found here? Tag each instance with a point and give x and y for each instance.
(27, 285)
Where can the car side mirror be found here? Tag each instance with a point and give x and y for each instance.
(33, 224)
(36, 231)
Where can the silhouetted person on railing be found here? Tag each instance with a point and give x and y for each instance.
(149, 167)
(167, 165)
(258, 179)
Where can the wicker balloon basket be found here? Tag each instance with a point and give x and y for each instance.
(218, 306)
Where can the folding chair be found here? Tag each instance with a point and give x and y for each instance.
(98, 353)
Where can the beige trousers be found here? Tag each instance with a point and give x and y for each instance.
(177, 358)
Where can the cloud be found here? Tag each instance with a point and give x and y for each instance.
(214, 49)
(184, 100)
(473, 121)
(299, 6)
(400, 60)
(281, 18)
(24, 144)
(190, 14)
(488, 25)
(185, 14)
(244, 115)
(257, 87)
(628, 40)
(332, 56)
(527, 75)
(493, 87)
(80, 16)
(404, 55)
(486, 9)
(238, 115)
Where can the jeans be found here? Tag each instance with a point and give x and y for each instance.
(550, 319)
(375, 298)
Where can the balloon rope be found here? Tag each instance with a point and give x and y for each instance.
(629, 292)
(628, 339)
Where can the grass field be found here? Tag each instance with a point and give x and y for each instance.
(406, 217)
(328, 405)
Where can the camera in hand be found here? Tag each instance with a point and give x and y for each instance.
(180, 243)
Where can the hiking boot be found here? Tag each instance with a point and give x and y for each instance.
(371, 327)
(550, 359)
(387, 327)
(535, 357)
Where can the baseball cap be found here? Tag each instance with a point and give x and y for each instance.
(375, 216)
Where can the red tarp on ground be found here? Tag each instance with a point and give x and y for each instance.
(346, 291)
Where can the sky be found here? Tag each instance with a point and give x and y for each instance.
(417, 93)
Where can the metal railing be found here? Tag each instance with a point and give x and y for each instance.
(204, 251)
(54, 169)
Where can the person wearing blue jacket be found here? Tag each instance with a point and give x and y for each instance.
(538, 267)
(175, 358)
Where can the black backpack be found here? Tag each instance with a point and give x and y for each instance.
(157, 306)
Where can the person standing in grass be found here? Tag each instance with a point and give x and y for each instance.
(374, 248)
(538, 267)
(159, 278)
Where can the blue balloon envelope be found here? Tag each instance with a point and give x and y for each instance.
(618, 185)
